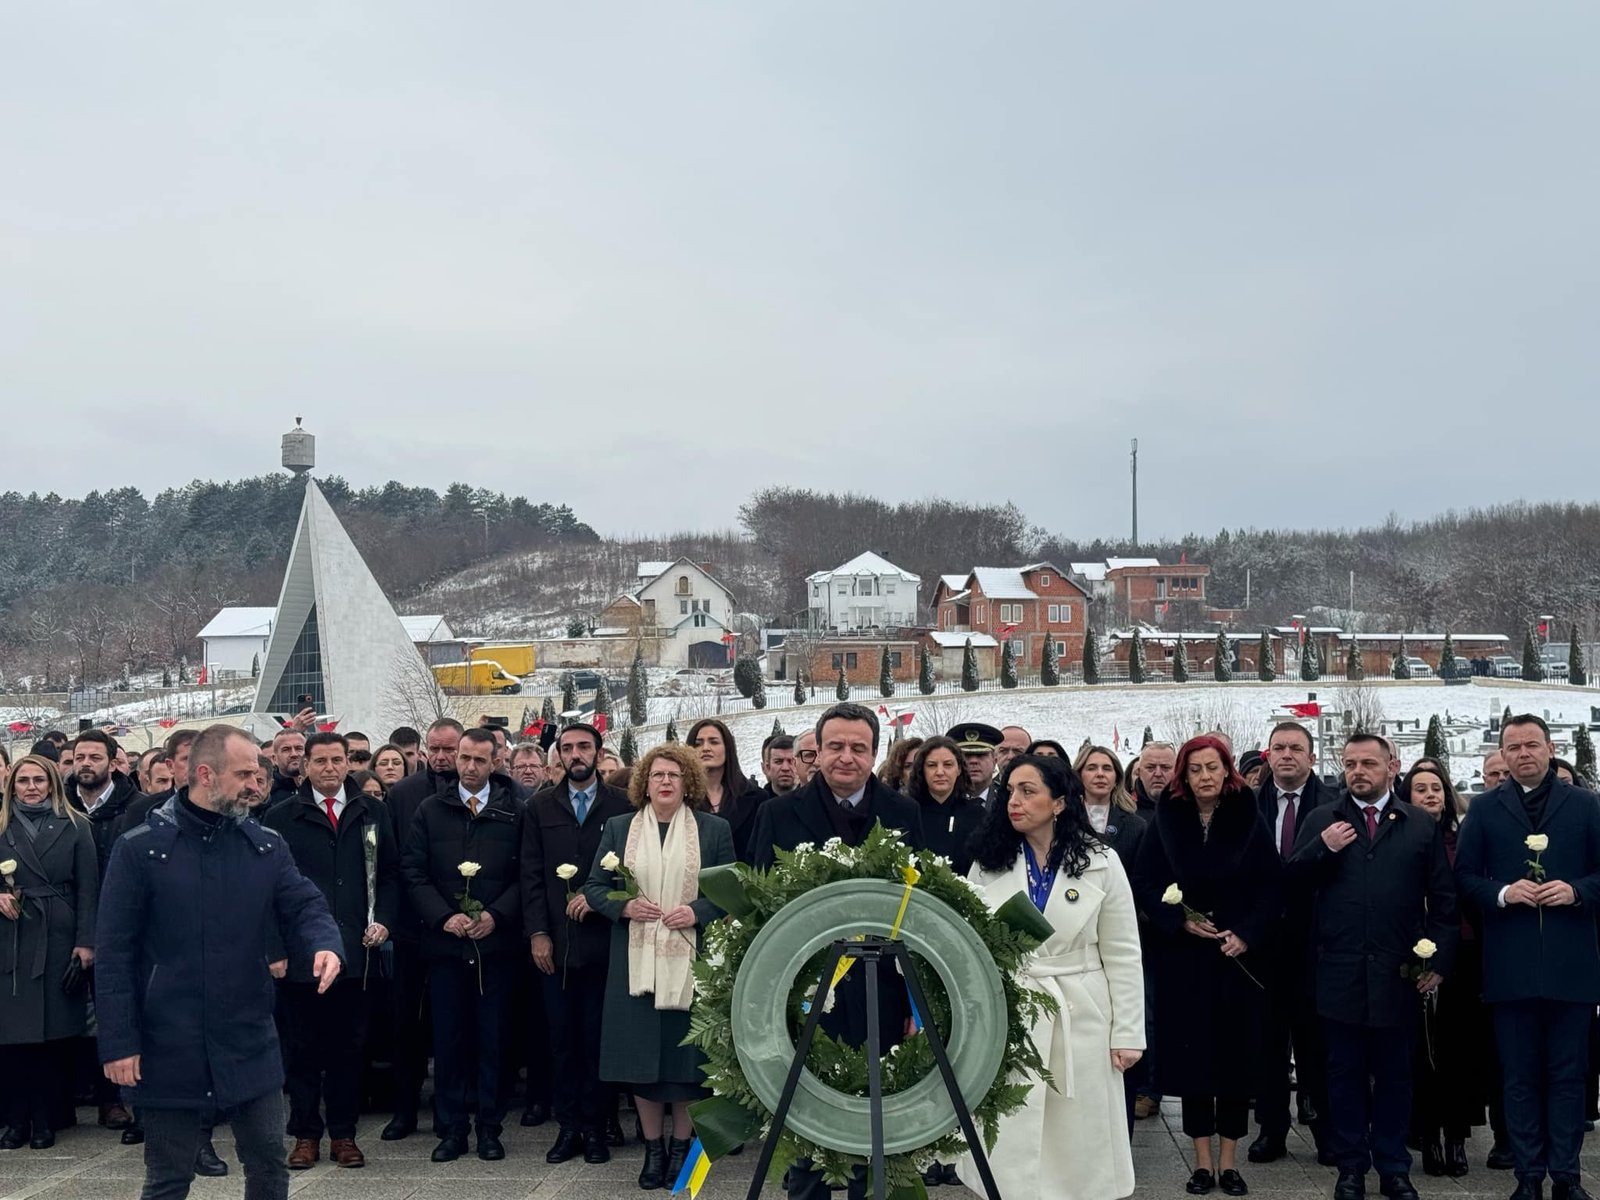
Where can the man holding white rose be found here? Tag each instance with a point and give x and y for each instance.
(1529, 861)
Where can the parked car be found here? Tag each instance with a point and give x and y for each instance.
(1419, 669)
(1505, 667)
(1556, 670)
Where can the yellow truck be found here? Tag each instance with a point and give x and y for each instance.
(515, 658)
(480, 677)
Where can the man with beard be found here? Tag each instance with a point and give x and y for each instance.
(1157, 761)
(805, 757)
(778, 764)
(184, 1012)
(571, 945)
(104, 795)
(288, 765)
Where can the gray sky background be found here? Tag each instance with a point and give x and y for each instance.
(1324, 261)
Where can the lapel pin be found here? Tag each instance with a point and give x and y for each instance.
(1393, 814)
(1072, 895)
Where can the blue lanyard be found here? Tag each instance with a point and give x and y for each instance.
(1040, 881)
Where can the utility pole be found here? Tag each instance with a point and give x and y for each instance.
(1135, 471)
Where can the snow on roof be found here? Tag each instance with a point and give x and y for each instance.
(1003, 583)
(961, 595)
(1113, 564)
(426, 629)
(955, 583)
(958, 640)
(1094, 572)
(240, 622)
(866, 563)
(1424, 637)
(650, 569)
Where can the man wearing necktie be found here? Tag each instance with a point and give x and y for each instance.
(1291, 791)
(571, 945)
(1375, 872)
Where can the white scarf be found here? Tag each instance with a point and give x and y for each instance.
(660, 960)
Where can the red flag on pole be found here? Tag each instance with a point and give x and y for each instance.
(1116, 738)
(21, 727)
(1311, 709)
(164, 722)
(600, 723)
(204, 674)
(327, 726)
(534, 730)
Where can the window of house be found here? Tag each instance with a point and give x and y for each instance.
(816, 590)
(838, 661)
(844, 589)
(1016, 647)
(1161, 588)
(1044, 580)
(894, 659)
(979, 616)
(1061, 649)
(683, 607)
(850, 660)
(1066, 614)
(888, 587)
(1053, 613)
(700, 621)
(683, 585)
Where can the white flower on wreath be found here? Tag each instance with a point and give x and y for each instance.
(804, 848)
(833, 843)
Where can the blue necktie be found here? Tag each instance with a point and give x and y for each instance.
(580, 805)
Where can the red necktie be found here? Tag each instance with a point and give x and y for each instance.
(1286, 838)
(1372, 822)
(333, 818)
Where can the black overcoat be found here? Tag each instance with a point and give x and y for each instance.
(59, 878)
(552, 837)
(443, 835)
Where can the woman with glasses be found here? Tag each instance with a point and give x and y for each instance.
(389, 764)
(664, 843)
(729, 793)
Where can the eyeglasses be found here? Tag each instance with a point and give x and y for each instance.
(665, 776)
(806, 755)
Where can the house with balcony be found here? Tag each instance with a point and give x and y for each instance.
(867, 593)
(1026, 606)
(679, 615)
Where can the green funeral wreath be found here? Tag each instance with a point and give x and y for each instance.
(735, 1114)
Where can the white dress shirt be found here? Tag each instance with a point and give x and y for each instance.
(481, 796)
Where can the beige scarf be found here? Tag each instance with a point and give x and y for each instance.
(660, 960)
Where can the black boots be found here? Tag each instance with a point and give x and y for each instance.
(653, 1174)
(677, 1154)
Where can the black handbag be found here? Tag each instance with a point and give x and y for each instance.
(75, 979)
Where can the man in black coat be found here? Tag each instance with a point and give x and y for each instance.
(183, 997)
(571, 944)
(1379, 882)
(1541, 960)
(472, 960)
(843, 800)
(288, 764)
(340, 838)
(1289, 794)
(1157, 761)
(408, 989)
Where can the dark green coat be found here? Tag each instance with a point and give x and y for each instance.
(639, 1044)
(58, 874)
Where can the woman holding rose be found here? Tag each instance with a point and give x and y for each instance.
(655, 855)
(1209, 883)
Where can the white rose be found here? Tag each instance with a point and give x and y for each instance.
(611, 862)
(833, 843)
(9, 867)
(1173, 894)
(803, 847)
(1425, 949)
(566, 871)
(1538, 842)
(469, 869)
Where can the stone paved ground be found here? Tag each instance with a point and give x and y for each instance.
(88, 1164)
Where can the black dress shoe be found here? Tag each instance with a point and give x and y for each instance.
(1200, 1183)
(450, 1147)
(14, 1138)
(1500, 1157)
(1529, 1189)
(614, 1134)
(653, 1174)
(42, 1139)
(133, 1135)
(1397, 1187)
(1267, 1148)
(1563, 1189)
(934, 1175)
(595, 1149)
(1307, 1113)
(1352, 1185)
(948, 1175)
(1455, 1158)
(1432, 1157)
(1232, 1184)
(535, 1115)
(489, 1147)
(400, 1127)
(207, 1163)
(569, 1144)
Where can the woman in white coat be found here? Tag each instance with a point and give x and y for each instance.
(1070, 1142)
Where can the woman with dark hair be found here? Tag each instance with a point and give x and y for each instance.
(1450, 1070)
(896, 769)
(1069, 1141)
(368, 783)
(729, 792)
(950, 816)
(1048, 748)
(1209, 884)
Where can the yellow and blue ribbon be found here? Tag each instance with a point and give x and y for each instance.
(695, 1169)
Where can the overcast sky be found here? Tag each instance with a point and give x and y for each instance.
(645, 258)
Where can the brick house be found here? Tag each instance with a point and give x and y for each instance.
(860, 658)
(1024, 605)
(1145, 591)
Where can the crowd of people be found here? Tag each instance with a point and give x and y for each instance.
(198, 931)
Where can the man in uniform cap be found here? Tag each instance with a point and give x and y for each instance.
(978, 743)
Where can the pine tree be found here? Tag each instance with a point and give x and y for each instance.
(575, 628)
(969, 668)
(1353, 668)
(799, 687)
(885, 674)
(547, 711)
(255, 666)
(1434, 745)
(1448, 667)
(1400, 664)
(924, 672)
(183, 670)
(1583, 754)
(1532, 665)
(166, 677)
(758, 698)
(638, 690)
(1222, 664)
(746, 674)
(1577, 672)
(1266, 670)
(1310, 660)
(1149, 736)
(672, 729)
(628, 748)
(1136, 659)
(1008, 666)
(1505, 717)
(602, 700)
(777, 727)
(569, 692)
(1049, 664)
(842, 688)
(1180, 662)
(1091, 656)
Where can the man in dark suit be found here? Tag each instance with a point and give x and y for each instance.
(571, 944)
(1379, 881)
(1541, 961)
(843, 800)
(1288, 795)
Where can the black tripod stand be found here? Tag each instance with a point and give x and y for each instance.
(873, 953)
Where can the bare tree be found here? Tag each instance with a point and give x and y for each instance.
(413, 696)
(1363, 706)
(1214, 708)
